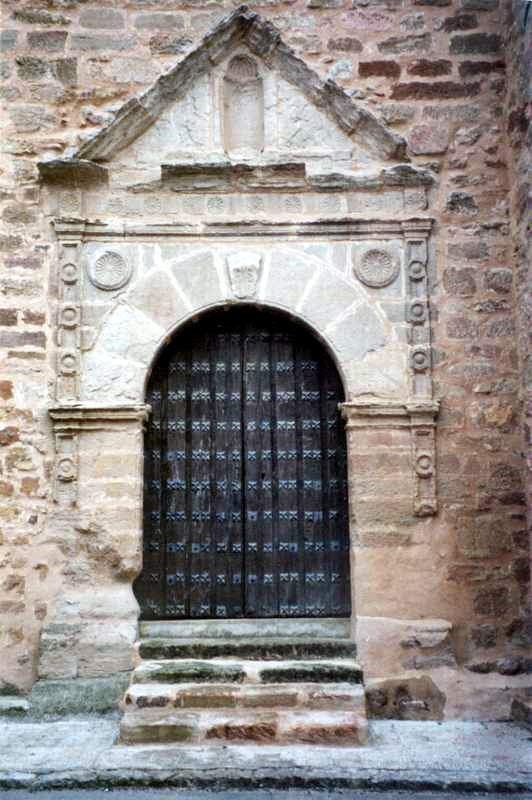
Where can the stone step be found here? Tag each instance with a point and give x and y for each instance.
(327, 628)
(13, 706)
(246, 671)
(265, 649)
(167, 697)
(241, 727)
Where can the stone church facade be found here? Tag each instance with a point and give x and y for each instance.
(187, 190)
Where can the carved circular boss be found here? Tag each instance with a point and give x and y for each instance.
(110, 271)
(376, 268)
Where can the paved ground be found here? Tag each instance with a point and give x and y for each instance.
(463, 756)
(176, 794)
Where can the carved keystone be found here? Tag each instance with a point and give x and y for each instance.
(244, 271)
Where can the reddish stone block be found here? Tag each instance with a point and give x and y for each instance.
(8, 436)
(460, 282)
(345, 44)
(6, 390)
(441, 90)
(15, 339)
(428, 139)
(387, 69)
(428, 68)
(492, 602)
(8, 316)
(29, 486)
(459, 327)
(469, 69)
(34, 317)
(461, 22)
(475, 44)
(254, 732)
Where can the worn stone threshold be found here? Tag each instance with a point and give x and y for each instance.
(327, 628)
(458, 756)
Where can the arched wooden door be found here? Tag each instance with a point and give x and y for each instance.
(245, 493)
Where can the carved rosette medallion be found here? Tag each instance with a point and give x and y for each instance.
(110, 271)
(376, 268)
(244, 272)
(420, 358)
(424, 465)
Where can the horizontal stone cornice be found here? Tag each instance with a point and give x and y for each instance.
(83, 417)
(84, 229)
(72, 172)
(383, 413)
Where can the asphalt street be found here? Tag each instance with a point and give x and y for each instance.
(175, 794)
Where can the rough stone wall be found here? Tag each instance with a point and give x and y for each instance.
(434, 70)
(518, 45)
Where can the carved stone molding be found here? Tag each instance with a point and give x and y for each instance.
(235, 176)
(68, 421)
(88, 230)
(420, 417)
(68, 322)
(417, 313)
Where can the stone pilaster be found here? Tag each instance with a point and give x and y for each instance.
(86, 647)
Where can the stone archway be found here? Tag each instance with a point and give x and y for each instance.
(245, 477)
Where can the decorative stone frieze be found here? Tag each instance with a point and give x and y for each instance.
(420, 418)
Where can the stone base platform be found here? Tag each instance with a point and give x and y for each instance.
(453, 756)
(239, 690)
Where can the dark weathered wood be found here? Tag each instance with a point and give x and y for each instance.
(245, 510)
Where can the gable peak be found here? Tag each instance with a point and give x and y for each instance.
(262, 41)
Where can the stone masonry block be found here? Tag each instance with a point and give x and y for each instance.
(475, 44)
(77, 695)
(198, 278)
(52, 41)
(102, 18)
(156, 296)
(287, 277)
(328, 298)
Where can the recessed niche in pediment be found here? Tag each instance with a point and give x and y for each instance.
(243, 107)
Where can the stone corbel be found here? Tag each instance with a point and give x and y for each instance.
(68, 422)
(419, 416)
(72, 172)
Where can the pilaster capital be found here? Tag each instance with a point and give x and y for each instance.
(389, 413)
(70, 417)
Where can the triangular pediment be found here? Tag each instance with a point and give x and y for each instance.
(181, 116)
